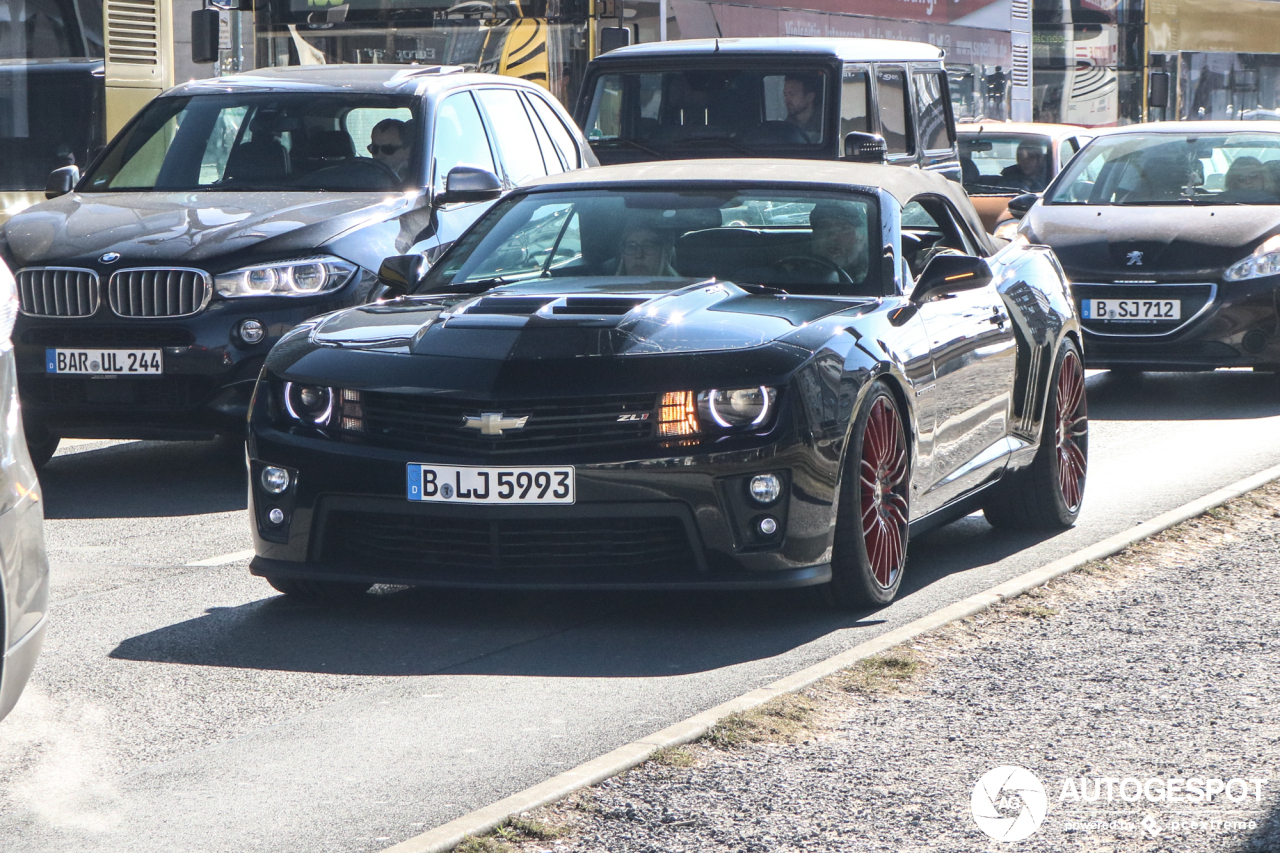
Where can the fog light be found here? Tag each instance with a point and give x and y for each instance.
(275, 480)
(1255, 341)
(276, 516)
(768, 526)
(252, 331)
(765, 488)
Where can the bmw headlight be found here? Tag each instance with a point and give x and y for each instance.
(303, 277)
(1264, 261)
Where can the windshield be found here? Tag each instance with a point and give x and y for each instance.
(268, 141)
(1005, 163)
(741, 109)
(1164, 168)
(801, 242)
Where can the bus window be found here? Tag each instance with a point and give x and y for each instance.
(931, 110)
(460, 139)
(854, 105)
(891, 89)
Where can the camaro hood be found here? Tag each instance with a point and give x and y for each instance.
(1135, 242)
(591, 317)
(189, 227)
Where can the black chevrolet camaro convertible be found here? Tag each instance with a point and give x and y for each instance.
(713, 374)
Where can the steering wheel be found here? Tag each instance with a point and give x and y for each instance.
(356, 174)
(799, 264)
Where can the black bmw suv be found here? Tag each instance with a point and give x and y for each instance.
(230, 210)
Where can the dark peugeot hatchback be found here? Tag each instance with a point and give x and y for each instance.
(228, 211)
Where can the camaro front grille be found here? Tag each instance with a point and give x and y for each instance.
(511, 546)
(58, 292)
(158, 292)
(416, 422)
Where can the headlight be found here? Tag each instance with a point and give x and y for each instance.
(688, 413)
(308, 404)
(305, 277)
(1264, 261)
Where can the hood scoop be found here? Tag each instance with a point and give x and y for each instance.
(523, 310)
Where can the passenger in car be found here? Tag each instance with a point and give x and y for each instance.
(840, 236)
(1031, 171)
(800, 94)
(1248, 180)
(390, 144)
(646, 251)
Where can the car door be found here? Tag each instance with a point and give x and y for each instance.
(459, 138)
(974, 353)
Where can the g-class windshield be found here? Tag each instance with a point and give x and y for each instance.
(1166, 168)
(301, 141)
(741, 110)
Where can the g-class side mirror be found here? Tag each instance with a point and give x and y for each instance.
(61, 181)
(864, 147)
(946, 274)
(1020, 204)
(400, 273)
(469, 184)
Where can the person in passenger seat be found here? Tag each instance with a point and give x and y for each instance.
(840, 236)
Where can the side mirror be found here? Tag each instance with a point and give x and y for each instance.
(864, 148)
(946, 274)
(468, 184)
(61, 181)
(612, 38)
(205, 36)
(1158, 89)
(1020, 204)
(401, 273)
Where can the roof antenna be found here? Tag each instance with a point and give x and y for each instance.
(717, 50)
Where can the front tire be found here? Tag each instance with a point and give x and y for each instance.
(1048, 494)
(326, 592)
(870, 550)
(41, 445)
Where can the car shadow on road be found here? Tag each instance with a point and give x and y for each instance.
(1207, 396)
(146, 479)
(405, 632)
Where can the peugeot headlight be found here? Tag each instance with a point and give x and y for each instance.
(303, 277)
(688, 413)
(1264, 261)
(1007, 230)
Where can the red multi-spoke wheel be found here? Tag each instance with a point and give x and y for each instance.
(882, 479)
(1048, 493)
(1072, 431)
(870, 549)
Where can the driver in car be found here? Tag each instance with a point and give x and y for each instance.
(840, 236)
(390, 143)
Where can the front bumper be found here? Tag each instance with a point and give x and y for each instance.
(208, 379)
(678, 522)
(1239, 326)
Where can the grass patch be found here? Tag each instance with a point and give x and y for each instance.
(525, 829)
(482, 844)
(674, 756)
(1036, 611)
(883, 673)
(780, 720)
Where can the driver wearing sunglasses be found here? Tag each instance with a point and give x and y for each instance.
(390, 143)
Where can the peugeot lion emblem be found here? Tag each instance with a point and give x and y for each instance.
(109, 258)
(492, 423)
(1135, 259)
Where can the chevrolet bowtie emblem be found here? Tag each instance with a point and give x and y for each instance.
(492, 423)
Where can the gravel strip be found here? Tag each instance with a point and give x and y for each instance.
(1160, 663)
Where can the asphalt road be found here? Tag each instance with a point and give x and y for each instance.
(190, 708)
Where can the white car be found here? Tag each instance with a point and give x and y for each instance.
(24, 568)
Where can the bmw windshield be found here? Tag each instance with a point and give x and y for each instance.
(1168, 169)
(275, 141)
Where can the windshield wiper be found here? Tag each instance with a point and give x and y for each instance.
(645, 148)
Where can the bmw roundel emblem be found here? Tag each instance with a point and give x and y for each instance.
(109, 258)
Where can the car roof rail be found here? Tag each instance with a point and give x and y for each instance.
(424, 70)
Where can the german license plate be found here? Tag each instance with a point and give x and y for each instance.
(126, 362)
(1132, 310)
(497, 485)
